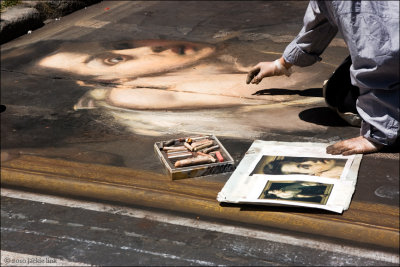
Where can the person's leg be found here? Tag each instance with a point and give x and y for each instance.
(380, 128)
(341, 96)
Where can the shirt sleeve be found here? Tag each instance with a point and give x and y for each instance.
(313, 38)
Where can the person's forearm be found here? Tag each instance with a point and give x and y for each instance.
(314, 37)
(287, 65)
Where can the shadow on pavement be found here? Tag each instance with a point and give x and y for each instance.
(322, 116)
(314, 92)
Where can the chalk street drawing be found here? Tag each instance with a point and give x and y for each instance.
(157, 87)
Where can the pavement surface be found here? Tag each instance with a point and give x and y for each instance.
(61, 89)
(26, 16)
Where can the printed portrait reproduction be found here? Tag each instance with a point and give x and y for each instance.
(300, 191)
(283, 165)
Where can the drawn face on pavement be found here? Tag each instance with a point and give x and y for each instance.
(128, 78)
(132, 59)
(154, 74)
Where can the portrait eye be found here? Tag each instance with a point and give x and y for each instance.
(158, 49)
(179, 49)
(304, 166)
(115, 59)
(182, 50)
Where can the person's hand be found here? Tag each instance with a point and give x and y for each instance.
(259, 71)
(357, 145)
(266, 69)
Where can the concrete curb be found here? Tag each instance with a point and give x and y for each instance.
(30, 15)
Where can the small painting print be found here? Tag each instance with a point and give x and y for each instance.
(299, 191)
(283, 165)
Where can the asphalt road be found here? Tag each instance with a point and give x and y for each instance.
(68, 231)
(41, 120)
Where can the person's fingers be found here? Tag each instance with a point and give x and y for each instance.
(259, 77)
(338, 148)
(333, 149)
(260, 71)
(252, 73)
(351, 152)
(256, 80)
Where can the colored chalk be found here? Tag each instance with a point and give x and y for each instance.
(208, 150)
(174, 148)
(219, 156)
(207, 155)
(180, 154)
(169, 142)
(204, 145)
(188, 146)
(192, 161)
